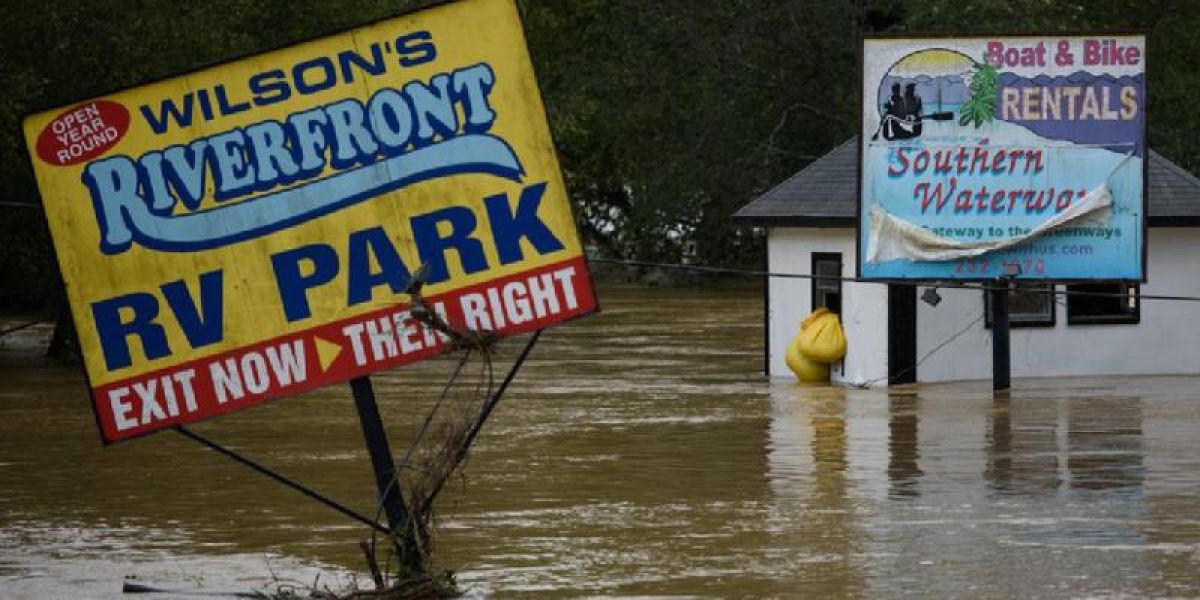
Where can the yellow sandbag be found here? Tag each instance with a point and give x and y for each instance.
(821, 338)
(816, 314)
(806, 370)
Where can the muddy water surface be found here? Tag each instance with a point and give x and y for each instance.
(640, 453)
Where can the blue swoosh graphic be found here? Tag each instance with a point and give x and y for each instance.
(216, 227)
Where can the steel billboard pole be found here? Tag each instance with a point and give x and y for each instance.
(1001, 349)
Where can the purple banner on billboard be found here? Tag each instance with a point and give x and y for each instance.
(1084, 108)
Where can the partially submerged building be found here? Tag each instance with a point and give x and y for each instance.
(810, 222)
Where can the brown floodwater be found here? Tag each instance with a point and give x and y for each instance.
(639, 453)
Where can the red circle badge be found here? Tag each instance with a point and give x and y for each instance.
(82, 133)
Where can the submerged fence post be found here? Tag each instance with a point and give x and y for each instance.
(1001, 368)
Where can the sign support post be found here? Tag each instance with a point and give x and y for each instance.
(1001, 355)
(386, 483)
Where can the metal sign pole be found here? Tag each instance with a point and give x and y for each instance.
(1001, 371)
(381, 459)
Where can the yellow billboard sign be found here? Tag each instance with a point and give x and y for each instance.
(247, 231)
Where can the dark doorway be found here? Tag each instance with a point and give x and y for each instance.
(902, 334)
(827, 281)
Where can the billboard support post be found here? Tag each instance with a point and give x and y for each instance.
(1001, 349)
(386, 482)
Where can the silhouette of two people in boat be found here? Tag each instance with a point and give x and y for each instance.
(901, 114)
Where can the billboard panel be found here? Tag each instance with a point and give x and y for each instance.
(247, 231)
(983, 156)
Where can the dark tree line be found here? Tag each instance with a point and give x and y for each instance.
(668, 116)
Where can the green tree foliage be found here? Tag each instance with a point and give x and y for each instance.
(668, 116)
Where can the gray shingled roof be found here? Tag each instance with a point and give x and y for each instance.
(824, 194)
(1174, 193)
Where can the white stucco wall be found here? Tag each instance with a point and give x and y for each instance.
(864, 306)
(1164, 342)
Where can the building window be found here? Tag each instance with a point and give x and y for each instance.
(827, 281)
(1119, 304)
(1029, 305)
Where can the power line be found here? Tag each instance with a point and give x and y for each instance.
(20, 204)
(946, 342)
(27, 325)
(943, 285)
